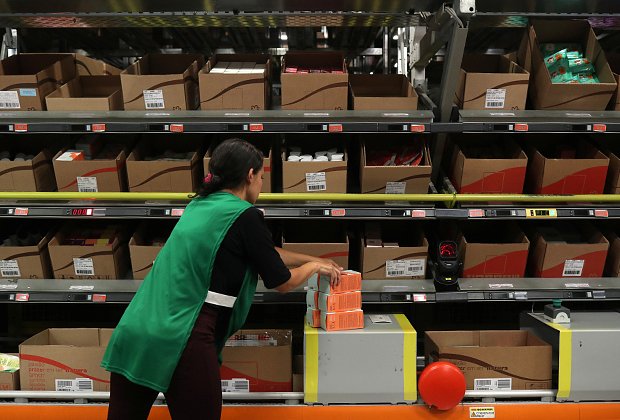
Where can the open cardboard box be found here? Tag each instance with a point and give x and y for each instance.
(491, 82)
(546, 95)
(25, 261)
(36, 174)
(87, 66)
(500, 250)
(9, 381)
(162, 82)
(472, 173)
(402, 256)
(65, 354)
(518, 359)
(235, 91)
(382, 92)
(142, 250)
(315, 91)
(87, 93)
(394, 179)
(550, 174)
(567, 250)
(26, 79)
(319, 239)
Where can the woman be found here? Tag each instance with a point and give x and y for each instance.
(199, 292)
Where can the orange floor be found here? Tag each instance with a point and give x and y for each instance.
(556, 411)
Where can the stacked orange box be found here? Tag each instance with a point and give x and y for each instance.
(335, 308)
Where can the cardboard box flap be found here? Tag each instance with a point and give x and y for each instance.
(87, 66)
(381, 85)
(165, 64)
(487, 63)
(315, 59)
(79, 337)
(29, 64)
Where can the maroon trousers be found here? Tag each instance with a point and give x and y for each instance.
(195, 390)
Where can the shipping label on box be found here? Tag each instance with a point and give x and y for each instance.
(406, 262)
(327, 177)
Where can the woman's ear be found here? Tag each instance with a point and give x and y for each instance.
(250, 176)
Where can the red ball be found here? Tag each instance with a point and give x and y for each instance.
(442, 385)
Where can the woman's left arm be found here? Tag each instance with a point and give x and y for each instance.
(295, 259)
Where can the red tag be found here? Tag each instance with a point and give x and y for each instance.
(521, 127)
(476, 213)
(21, 128)
(98, 128)
(176, 128)
(22, 297)
(99, 298)
(419, 297)
(335, 128)
(418, 213)
(256, 127)
(417, 128)
(177, 212)
(599, 128)
(601, 213)
(21, 211)
(338, 212)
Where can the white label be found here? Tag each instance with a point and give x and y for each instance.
(74, 385)
(495, 98)
(481, 412)
(501, 286)
(236, 385)
(395, 187)
(9, 268)
(405, 268)
(28, 92)
(578, 285)
(380, 319)
(580, 115)
(316, 181)
(573, 268)
(502, 114)
(316, 114)
(87, 184)
(236, 114)
(493, 384)
(84, 266)
(8, 286)
(9, 100)
(395, 114)
(82, 288)
(154, 99)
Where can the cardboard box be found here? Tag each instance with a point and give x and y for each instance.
(25, 261)
(65, 354)
(612, 183)
(327, 91)
(162, 82)
(494, 360)
(87, 66)
(557, 256)
(243, 90)
(264, 146)
(143, 251)
(394, 179)
(87, 93)
(321, 177)
(162, 175)
(338, 302)
(350, 281)
(9, 378)
(546, 95)
(96, 175)
(406, 261)
(30, 175)
(612, 266)
(382, 92)
(26, 79)
(585, 174)
(475, 174)
(262, 357)
(105, 262)
(497, 251)
(319, 239)
(341, 321)
(313, 317)
(491, 82)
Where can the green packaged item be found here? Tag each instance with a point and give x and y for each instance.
(561, 76)
(580, 65)
(552, 47)
(587, 78)
(557, 61)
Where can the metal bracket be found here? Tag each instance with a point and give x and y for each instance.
(465, 8)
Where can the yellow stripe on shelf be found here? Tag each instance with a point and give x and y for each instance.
(311, 354)
(566, 356)
(410, 388)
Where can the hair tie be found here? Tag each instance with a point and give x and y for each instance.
(208, 178)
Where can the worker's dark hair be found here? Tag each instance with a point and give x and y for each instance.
(229, 166)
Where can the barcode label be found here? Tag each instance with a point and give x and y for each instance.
(395, 187)
(87, 184)
(405, 268)
(236, 385)
(493, 384)
(495, 98)
(10, 268)
(573, 268)
(154, 99)
(74, 385)
(9, 100)
(84, 266)
(316, 181)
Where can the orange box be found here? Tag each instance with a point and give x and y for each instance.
(313, 317)
(339, 302)
(350, 281)
(339, 321)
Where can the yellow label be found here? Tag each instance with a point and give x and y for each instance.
(541, 213)
(481, 412)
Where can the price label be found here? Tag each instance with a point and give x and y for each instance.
(98, 128)
(177, 128)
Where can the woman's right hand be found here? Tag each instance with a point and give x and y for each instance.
(331, 270)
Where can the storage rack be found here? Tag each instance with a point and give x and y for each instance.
(450, 28)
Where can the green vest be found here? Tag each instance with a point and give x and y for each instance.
(147, 343)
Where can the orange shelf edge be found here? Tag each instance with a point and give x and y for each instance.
(504, 411)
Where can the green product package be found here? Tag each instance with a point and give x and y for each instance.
(580, 65)
(557, 61)
(587, 78)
